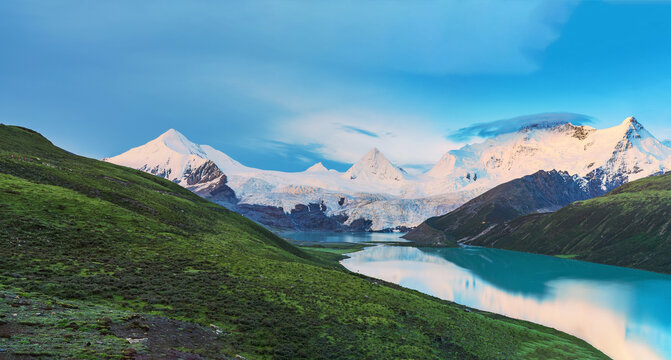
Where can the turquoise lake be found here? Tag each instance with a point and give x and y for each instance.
(623, 312)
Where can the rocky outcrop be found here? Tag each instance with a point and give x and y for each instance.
(209, 182)
(310, 217)
(202, 174)
(544, 191)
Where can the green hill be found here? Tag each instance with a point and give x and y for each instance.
(627, 227)
(94, 253)
(542, 191)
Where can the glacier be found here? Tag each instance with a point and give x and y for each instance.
(374, 194)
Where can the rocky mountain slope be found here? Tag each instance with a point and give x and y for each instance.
(544, 191)
(382, 196)
(94, 253)
(630, 226)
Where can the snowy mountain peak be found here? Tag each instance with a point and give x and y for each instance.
(444, 167)
(318, 167)
(177, 142)
(630, 120)
(374, 166)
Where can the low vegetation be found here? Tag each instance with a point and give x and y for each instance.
(629, 227)
(94, 254)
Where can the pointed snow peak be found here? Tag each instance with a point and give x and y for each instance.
(631, 122)
(175, 141)
(444, 167)
(318, 167)
(171, 133)
(374, 158)
(374, 165)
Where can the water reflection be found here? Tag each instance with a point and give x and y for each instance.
(624, 313)
(349, 237)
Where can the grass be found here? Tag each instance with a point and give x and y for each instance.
(631, 227)
(116, 243)
(567, 256)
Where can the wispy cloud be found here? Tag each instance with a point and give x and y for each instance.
(405, 140)
(286, 71)
(498, 127)
(355, 129)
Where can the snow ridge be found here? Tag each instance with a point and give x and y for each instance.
(377, 190)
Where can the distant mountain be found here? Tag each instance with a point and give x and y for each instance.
(537, 193)
(375, 194)
(366, 197)
(374, 167)
(174, 157)
(96, 255)
(630, 226)
(608, 157)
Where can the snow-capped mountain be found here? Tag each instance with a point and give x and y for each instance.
(375, 168)
(609, 156)
(375, 194)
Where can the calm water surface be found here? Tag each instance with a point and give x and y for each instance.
(348, 237)
(624, 313)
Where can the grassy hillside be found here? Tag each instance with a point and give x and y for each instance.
(628, 227)
(541, 191)
(93, 253)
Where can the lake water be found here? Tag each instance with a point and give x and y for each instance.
(623, 312)
(345, 237)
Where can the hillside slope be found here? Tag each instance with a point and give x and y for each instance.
(627, 227)
(543, 191)
(381, 196)
(132, 253)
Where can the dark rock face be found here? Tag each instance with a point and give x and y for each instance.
(311, 217)
(204, 173)
(544, 191)
(217, 190)
(629, 226)
(267, 215)
(209, 182)
(156, 171)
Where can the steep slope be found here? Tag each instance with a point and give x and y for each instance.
(607, 157)
(172, 156)
(366, 197)
(105, 251)
(375, 168)
(627, 227)
(540, 192)
(376, 192)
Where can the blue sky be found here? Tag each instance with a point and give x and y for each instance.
(283, 84)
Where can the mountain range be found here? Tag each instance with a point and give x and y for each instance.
(101, 261)
(541, 192)
(375, 194)
(627, 227)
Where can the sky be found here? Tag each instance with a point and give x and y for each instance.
(284, 84)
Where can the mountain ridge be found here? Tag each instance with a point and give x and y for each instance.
(91, 249)
(537, 193)
(376, 190)
(627, 227)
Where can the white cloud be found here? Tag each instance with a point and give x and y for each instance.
(403, 139)
(432, 36)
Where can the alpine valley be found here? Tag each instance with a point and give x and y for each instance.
(376, 195)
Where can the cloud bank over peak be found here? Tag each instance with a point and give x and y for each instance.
(339, 136)
(504, 126)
